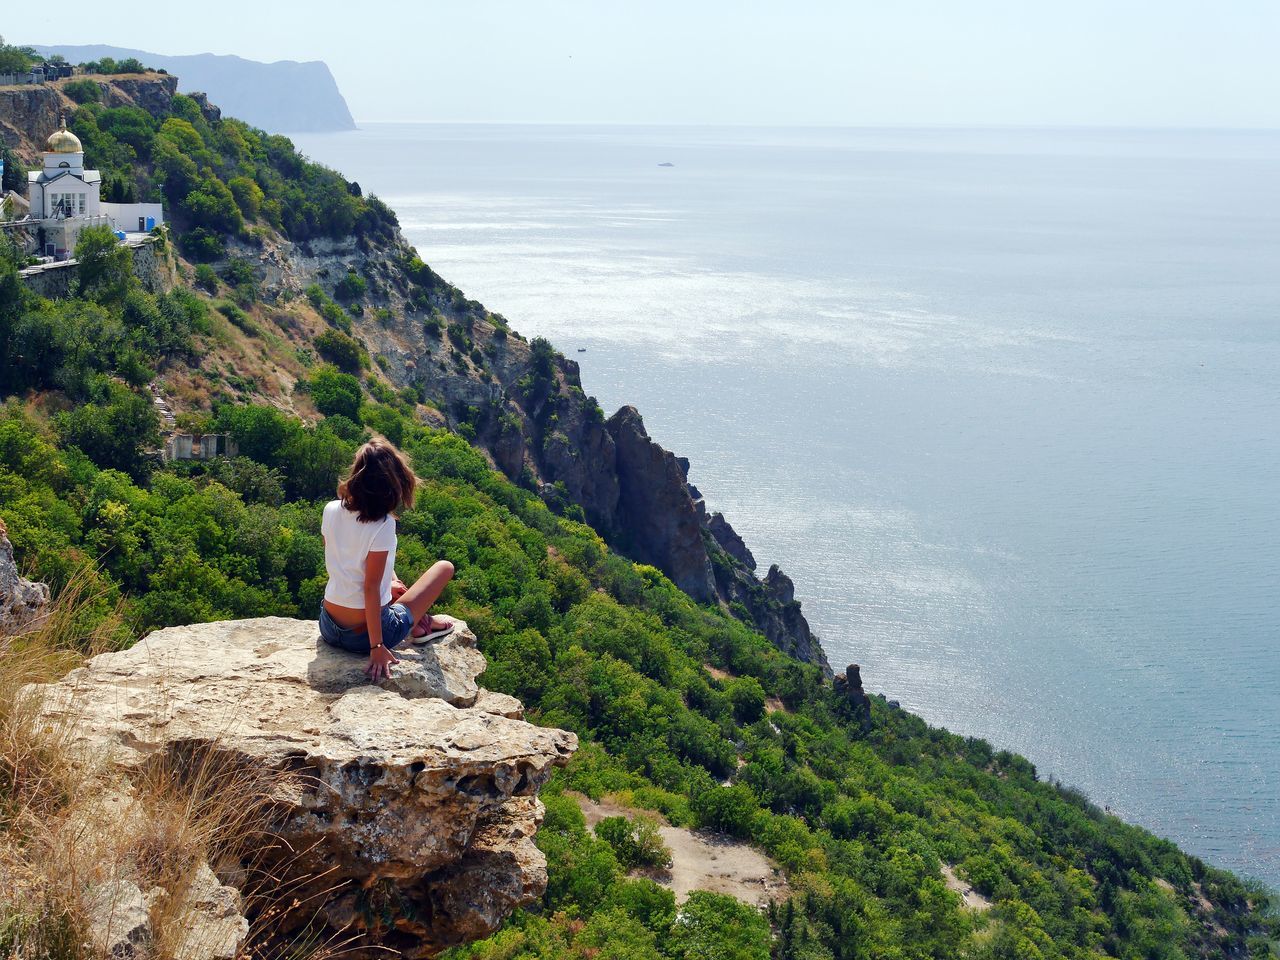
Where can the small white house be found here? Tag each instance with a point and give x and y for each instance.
(66, 198)
(184, 446)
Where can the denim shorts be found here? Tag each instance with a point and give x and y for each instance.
(397, 622)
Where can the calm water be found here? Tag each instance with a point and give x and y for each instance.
(1004, 404)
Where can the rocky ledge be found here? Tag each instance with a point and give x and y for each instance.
(402, 815)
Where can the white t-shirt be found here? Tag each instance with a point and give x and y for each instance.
(347, 544)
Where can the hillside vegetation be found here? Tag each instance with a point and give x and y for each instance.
(862, 818)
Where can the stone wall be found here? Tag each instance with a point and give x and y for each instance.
(153, 264)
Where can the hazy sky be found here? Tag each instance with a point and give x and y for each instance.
(1128, 62)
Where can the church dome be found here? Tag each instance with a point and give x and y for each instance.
(64, 141)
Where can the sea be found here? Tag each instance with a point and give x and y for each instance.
(1005, 403)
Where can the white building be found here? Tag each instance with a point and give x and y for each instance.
(65, 198)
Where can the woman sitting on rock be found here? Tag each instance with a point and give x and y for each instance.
(365, 609)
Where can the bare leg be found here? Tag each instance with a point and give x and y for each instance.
(427, 589)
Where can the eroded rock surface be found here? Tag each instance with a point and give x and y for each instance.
(404, 813)
(21, 601)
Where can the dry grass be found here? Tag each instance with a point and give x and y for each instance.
(74, 828)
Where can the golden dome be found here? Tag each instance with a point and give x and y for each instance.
(64, 141)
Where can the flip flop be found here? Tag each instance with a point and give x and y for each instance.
(424, 632)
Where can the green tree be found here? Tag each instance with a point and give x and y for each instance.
(15, 172)
(15, 59)
(747, 697)
(732, 809)
(350, 287)
(712, 926)
(211, 205)
(313, 461)
(260, 432)
(335, 392)
(248, 196)
(105, 271)
(114, 430)
(206, 279)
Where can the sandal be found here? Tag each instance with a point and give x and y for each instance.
(429, 628)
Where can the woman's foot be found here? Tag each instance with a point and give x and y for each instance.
(431, 628)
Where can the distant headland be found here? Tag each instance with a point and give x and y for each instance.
(286, 96)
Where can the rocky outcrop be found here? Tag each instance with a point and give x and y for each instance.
(771, 605)
(729, 541)
(655, 510)
(855, 701)
(21, 601)
(403, 814)
(151, 92)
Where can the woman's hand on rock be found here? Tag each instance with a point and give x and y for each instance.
(380, 661)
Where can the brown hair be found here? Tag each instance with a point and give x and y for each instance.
(380, 481)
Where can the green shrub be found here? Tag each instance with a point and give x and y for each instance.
(83, 91)
(712, 926)
(732, 809)
(202, 245)
(248, 196)
(747, 697)
(636, 843)
(238, 317)
(350, 287)
(206, 279)
(342, 351)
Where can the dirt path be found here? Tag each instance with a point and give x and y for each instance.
(702, 860)
(972, 898)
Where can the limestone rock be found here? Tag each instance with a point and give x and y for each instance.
(21, 601)
(152, 92)
(502, 704)
(407, 810)
(119, 924)
(213, 926)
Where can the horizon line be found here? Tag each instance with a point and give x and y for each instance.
(826, 125)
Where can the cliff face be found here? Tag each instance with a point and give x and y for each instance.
(28, 114)
(402, 815)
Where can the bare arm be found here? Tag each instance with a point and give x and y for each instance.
(380, 658)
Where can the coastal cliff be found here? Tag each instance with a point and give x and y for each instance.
(523, 404)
